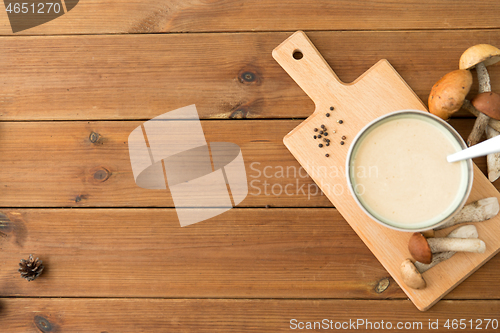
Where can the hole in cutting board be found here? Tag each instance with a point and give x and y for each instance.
(297, 55)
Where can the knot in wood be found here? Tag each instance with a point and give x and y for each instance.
(43, 324)
(247, 77)
(382, 285)
(101, 174)
(94, 137)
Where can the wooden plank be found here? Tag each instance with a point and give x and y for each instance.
(98, 17)
(181, 315)
(54, 164)
(141, 77)
(249, 253)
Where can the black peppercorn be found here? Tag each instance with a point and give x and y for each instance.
(320, 132)
(327, 144)
(323, 126)
(315, 130)
(328, 115)
(340, 121)
(325, 140)
(314, 136)
(331, 108)
(327, 155)
(320, 145)
(319, 136)
(326, 133)
(343, 137)
(341, 142)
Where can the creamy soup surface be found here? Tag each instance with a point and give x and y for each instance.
(401, 173)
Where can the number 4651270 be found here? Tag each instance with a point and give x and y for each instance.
(478, 324)
(39, 8)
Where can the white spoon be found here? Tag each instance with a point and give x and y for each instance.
(490, 146)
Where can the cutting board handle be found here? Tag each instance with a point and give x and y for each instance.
(302, 61)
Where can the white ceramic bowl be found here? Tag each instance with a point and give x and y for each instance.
(432, 223)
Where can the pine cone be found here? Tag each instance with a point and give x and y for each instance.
(30, 269)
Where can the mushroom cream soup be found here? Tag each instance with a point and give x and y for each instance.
(400, 173)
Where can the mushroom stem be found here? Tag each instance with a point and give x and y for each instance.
(493, 160)
(466, 231)
(482, 119)
(483, 77)
(478, 129)
(436, 259)
(495, 124)
(476, 211)
(456, 245)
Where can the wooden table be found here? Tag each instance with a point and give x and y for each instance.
(116, 258)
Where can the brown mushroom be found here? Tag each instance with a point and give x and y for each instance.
(419, 248)
(480, 56)
(488, 103)
(448, 94)
(495, 124)
(465, 231)
(412, 272)
(480, 53)
(411, 276)
(422, 249)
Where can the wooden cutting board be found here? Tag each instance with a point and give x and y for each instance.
(378, 91)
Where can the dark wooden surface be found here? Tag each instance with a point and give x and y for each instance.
(60, 167)
(141, 76)
(98, 17)
(244, 253)
(231, 315)
(116, 258)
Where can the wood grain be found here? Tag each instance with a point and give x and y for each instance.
(377, 92)
(184, 315)
(99, 17)
(105, 61)
(54, 164)
(243, 253)
(142, 76)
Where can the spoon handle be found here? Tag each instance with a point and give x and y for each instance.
(490, 146)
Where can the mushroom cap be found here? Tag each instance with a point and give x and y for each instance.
(485, 53)
(488, 103)
(411, 276)
(419, 248)
(448, 94)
